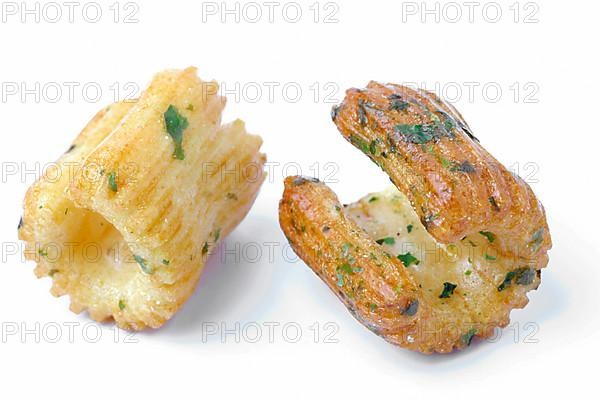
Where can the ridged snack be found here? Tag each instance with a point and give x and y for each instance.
(445, 255)
(145, 192)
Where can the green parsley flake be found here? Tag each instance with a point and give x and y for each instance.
(445, 163)
(345, 249)
(409, 228)
(537, 239)
(494, 204)
(408, 259)
(340, 279)
(121, 304)
(112, 181)
(386, 240)
(464, 166)
(507, 281)
(399, 105)
(417, 134)
(176, 124)
(521, 276)
(524, 276)
(143, 265)
(467, 338)
(411, 308)
(448, 290)
(345, 270)
(373, 147)
(360, 144)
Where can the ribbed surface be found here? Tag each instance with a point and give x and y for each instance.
(165, 211)
(455, 185)
(473, 225)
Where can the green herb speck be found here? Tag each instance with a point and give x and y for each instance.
(537, 239)
(521, 276)
(176, 124)
(408, 259)
(345, 268)
(373, 147)
(386, 240)
(494, 204)
(524, 276)
(411, 308)
(464, 166)
(417, 134)
(360, 144)
(143, 265)
(467, 338)
(112, 181)
(449, 124)
(448, 290)
(399, 105)
(340, 279)
(345, 248)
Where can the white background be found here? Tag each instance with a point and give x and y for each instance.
(551, 142)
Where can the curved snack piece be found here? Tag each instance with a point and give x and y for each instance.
(441, 259)
(125, 221)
